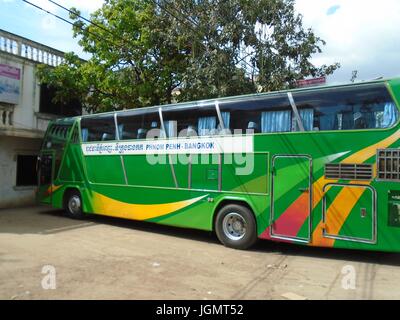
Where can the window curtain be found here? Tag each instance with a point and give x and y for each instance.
(85, 134)
(347, 121)
(276, 121)
(206, 125)
(170, 128)
(389, 115)
(370, 119)
(307, 118)
(121, 131)
(330, 121)
(226, 117)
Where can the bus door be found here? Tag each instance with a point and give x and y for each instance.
(291, 198)
(45, 176)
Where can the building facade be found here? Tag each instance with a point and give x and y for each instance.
(26, 107)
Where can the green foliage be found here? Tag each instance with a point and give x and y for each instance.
(143, 50)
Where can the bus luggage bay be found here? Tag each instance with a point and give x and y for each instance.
(316, 166)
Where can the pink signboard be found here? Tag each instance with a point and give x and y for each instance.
(311, 82)
(10, 78)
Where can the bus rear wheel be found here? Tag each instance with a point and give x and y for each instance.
(236, 227)
(73, 205)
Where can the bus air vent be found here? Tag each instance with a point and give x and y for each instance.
(388, 164)
(348, 171)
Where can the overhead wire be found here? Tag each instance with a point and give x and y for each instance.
(58, 17)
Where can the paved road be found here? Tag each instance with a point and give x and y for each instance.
(105, 258)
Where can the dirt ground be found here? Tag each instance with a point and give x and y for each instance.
(105, 258)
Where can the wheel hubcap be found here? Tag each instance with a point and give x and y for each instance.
(74, 204)
(234, 226)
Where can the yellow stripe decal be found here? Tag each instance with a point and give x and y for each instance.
(338, 212)
(114, 208)
(370, 151)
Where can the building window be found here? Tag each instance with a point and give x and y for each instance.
(47, 105)
(26, 170)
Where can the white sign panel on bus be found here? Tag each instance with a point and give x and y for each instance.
(203, 145)
(10, 78)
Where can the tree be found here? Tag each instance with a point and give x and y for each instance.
(143, 50)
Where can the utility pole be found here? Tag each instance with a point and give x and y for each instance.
(354, 76)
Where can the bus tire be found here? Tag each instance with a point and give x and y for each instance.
(236, 227)
(73, 204)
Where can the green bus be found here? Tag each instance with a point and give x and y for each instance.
(314, 166)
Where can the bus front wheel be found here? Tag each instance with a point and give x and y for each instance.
(236, 227)
(73, 204)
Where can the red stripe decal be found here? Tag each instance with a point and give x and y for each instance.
(291, 221)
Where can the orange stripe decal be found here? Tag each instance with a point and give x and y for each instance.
(51, 189)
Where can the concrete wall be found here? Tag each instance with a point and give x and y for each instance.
(24, 111)
(22, 136)
(23, 127)
(10, 194)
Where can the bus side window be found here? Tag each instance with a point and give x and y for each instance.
(138, 126)
(349, 108)
(98, 128)
(151, 127)
(200, 121)
(259, 115)
(128, 125)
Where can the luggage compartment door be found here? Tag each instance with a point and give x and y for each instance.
(349, 213)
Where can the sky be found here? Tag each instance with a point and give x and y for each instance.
(362, 35)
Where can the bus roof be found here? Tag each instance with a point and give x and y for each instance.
(199, 103)
(65, 121)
